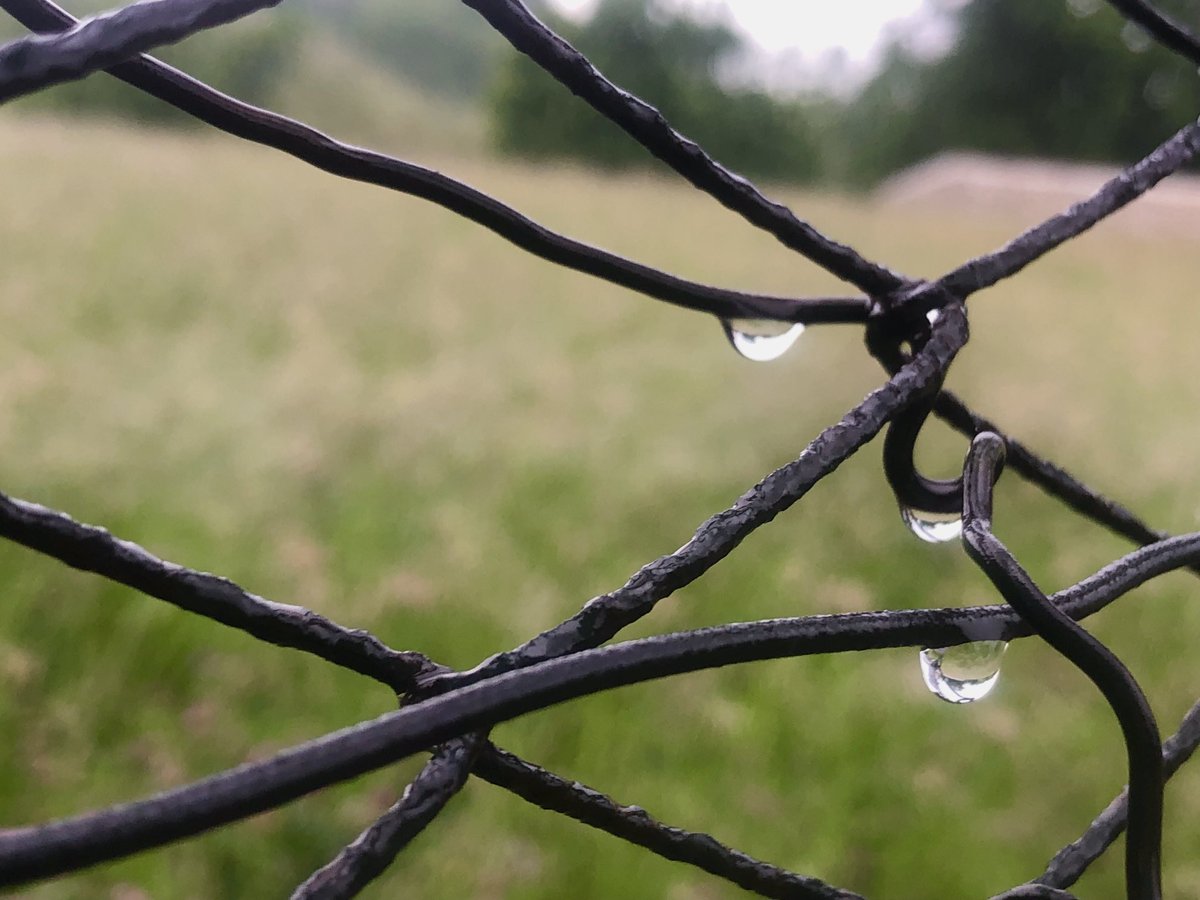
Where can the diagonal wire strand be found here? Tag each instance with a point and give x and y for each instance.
(1171, 34)
(604, 616)
(92, 549)
(101, 42)
(373, 851)
(377, 846)
(302, 142)
(1054, 480)
(1088, 654)
(34, 62)
(1072, 861)
(634, 824)
(648, 127)
(69, 844)
(984, 271)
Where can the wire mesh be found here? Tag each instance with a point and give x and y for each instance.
(914, 327)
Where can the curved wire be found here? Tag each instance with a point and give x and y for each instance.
(896, 321)
(712, 543)
(93, 549)
(311, 146)
(648, 127)
(1053, 479)
(604, 616)
(369, 855)
(31, 63)
(986, 270)
(912, 489)
(1171, 34)
(75, 843)
(1073, 860)
(1142, 740)
(634, 824)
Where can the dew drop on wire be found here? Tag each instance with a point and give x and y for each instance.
(761, 339)
(964, 673)
(934, 528)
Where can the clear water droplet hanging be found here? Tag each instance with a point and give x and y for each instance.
(761, 340)
(933, 528)
(965, 673)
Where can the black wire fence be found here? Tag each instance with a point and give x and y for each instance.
(913, 327)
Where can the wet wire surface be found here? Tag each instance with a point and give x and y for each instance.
(449, 713)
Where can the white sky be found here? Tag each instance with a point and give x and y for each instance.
(811, 27)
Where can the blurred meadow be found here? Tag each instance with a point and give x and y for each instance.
(358, 402)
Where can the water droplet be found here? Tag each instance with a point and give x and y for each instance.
(761, 339)
(934, 528)
(964, 673)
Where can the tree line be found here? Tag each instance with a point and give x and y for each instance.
(1062, 78)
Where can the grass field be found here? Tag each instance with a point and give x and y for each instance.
(357, 402)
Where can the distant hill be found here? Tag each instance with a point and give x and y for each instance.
(357, 99)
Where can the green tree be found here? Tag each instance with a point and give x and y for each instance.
(1024, 77)
(671, 61)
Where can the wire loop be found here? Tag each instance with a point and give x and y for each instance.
(899, 326)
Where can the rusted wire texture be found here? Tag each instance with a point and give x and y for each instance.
(914, 328)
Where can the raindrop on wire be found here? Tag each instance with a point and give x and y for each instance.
(761, 339)
(965, 673)
(933, 528)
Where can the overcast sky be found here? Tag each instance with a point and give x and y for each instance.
(810, 26)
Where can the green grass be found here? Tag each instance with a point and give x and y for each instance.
(357, 402)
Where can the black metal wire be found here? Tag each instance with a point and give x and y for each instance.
(602, 617)
(856, 631)
(357, 164)
(714, 539)
(1054, 480)
(1073, 860)
(372, 852)
(984, 271)
(1142, 740)
(648, 127)
(583, 631)
(1168, 32)
(1034, 892)
(634, 824)
(70, 844)
(93, 549)
(893, 326)
(454, 710)
(31, 63)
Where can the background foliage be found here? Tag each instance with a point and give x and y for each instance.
(361, 403)
(357, 402)
(1057, 78)
(673, 62)
(1024, 78)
